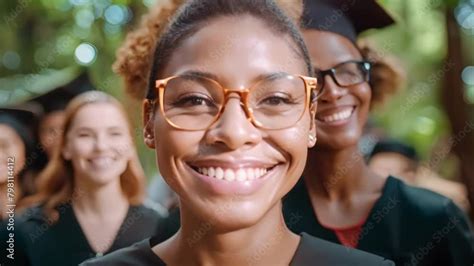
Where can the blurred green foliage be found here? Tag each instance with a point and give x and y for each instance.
(44, 34)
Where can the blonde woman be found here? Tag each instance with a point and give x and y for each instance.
(90, 194)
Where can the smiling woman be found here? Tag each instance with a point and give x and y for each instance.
(339, 197)
(89, 199)
(229, 110)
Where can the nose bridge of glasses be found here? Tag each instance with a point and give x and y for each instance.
(230, 109)
(239, 95)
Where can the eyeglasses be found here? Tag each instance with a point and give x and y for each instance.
(346, 74)
(195, 101)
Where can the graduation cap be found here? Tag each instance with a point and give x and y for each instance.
(58, 98)
(395, 146)
(345, 17)
(23, 120)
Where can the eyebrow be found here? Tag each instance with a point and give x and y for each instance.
(91, 129)
(204, 74)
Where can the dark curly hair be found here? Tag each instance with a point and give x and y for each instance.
(386, 76)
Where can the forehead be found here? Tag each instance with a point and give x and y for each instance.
(328, 49)
(391, 159)
(99, 115)
(8, 133)
(236, 48)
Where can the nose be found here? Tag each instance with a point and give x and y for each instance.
(233, 129)
(331, 91)
(101, 142)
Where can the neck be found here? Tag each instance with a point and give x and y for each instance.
(265, 243)
(98, 199)
(335, 174)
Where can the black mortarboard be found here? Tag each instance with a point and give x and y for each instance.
(22, 121)
(395, 146)
(345, 17)
(58, 98)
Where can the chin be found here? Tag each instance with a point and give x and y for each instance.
(339, 141)
(230, 216)
(104, 179)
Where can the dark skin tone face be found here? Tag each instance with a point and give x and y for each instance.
(335, 131)
(339, 182)
(233, 218)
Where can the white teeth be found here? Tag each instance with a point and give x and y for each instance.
(229, 175)
(337, 116)
(219, 173)
(211, 172)
(250, 174)
(242, 174)
(102, 162)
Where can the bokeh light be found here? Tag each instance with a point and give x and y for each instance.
(84, 18)
(467, 75)
(85, 54)
(116, 15)
(464, 13)
(11, 60)
(424, 125)
(79, 2)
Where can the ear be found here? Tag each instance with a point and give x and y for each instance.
(148, 129)
(312, 127)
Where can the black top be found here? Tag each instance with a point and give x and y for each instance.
(310, 251)
(408, 225)
(63, 243)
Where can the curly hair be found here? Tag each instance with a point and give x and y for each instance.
(386, 77)
(135, 57)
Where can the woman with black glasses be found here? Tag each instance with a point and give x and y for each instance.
(339, 198)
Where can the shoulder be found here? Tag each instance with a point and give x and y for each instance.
(142, 222)
(313, 249)
(424, 203)
(139, 254)
(31, 219)
(147, 210)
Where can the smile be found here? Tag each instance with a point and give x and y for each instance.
(227, 174)
(234, 179)
(101, 162)
(342, 115)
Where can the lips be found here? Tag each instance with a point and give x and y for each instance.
(337, 115)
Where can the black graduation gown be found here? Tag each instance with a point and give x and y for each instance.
(310, 251)
(63, 243)
(408, 225)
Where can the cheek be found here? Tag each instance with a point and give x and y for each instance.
(123, 146)
(293, 144)
(173, 145)
(80, 148)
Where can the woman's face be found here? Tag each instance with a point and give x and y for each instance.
(342, 111)
(98, 144)
(11, 146)
(50, 130)
(236, 50)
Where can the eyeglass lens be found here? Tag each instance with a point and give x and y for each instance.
(194, 103)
